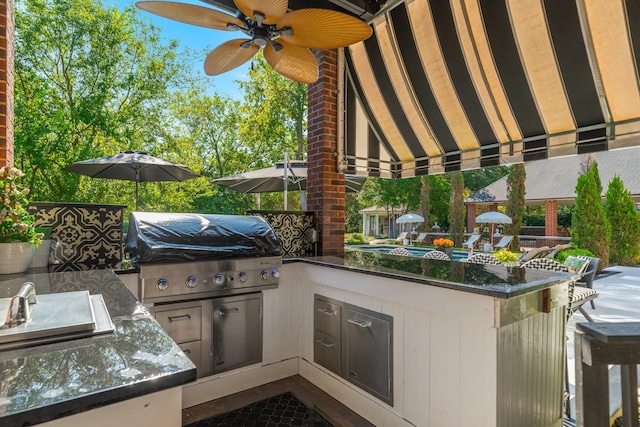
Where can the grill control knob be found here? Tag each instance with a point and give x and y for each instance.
(265, 275)
(162, 284)
(191, 282)
(242, 277)
(218, 279)
(275, 273)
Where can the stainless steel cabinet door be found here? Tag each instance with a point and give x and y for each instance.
(237, 331)
(368, 352)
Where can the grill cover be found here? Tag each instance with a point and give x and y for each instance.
(177, 237)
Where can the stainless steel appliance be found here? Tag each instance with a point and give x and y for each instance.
(201, 276)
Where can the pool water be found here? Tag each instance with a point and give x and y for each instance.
(413, 250)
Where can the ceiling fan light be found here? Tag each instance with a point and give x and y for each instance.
(260, 41)
(287, 31)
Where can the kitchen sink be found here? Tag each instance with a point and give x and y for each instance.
(56, 317)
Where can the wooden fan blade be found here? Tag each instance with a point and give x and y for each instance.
(228, 56)
(323, 29)
(190, 14)
(273, 10)
(295, 62)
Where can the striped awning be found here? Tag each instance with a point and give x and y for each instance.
(447, 85)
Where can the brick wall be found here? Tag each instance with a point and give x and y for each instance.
(7, 24)
(325, 186)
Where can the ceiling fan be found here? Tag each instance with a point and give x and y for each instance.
(286, 37)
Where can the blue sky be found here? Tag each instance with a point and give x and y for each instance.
(199, 38)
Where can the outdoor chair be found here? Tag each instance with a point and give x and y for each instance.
(534, 253)
(504, 243)
(557, 249)
(474, 239)
(420, 239)
(401, 237)
(436, 254)
(399, 251)
(484, 258)
(589, 275)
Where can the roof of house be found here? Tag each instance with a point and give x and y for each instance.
(555, 179)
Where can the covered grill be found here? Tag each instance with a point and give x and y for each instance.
(202, 276)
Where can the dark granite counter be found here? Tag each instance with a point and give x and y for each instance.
(491, 280)
(50, 381)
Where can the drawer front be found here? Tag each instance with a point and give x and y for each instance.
(183, 325)
(192, 350)
(327, 317)
(326, 351)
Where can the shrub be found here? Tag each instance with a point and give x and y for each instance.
(506, 256)
(562, 256)
(356, 239)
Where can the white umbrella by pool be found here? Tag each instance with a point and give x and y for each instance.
(409, 219)
(493, 217)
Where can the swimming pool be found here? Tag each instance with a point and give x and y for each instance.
(413, 250)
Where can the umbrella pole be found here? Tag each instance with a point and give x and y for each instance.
(136, 195)
(285, 177)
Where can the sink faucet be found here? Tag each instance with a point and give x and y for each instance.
(19, 311)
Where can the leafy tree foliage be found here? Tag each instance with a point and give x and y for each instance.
(589, 226)
(89, 82)
(515, 201)
(457, 211)
(425, 202)
(625, 224)
(477, 179)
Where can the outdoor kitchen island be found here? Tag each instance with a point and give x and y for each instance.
(470, 344)
(130, 375)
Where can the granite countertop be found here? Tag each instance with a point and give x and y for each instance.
(491, 280)
(49, 381)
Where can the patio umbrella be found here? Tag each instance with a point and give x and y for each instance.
(409, 219)
(270, 180)
(133, 166)
(492, 218)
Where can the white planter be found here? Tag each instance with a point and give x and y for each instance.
(15, 257)
(41, 257)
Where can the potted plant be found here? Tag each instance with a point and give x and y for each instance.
(18, 235)
(506, 257)
(444, 245)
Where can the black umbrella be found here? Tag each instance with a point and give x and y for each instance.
(133, 166)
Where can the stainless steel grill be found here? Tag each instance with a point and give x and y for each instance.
(201, 276)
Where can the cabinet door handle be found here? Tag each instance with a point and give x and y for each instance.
(179, 318)
(327, 312)
(222, 312)
(366, 324)
(324, 343)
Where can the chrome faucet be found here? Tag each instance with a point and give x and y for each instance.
(19, 311)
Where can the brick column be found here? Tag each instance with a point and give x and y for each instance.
(471, 217)
(7, 25)
(550, 217)
(325, 186)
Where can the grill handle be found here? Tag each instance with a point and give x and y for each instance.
(179, 318)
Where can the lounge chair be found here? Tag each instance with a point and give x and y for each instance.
(399, 251)
(504, 243)
(401, 237)
(557, 249)
(534, 253)
(474, 239)
(420, 239)
(436, 254)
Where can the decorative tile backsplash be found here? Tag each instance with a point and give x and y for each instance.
(84, 236)
(291, 227)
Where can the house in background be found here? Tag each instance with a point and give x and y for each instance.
(379, 222)
(552, 182)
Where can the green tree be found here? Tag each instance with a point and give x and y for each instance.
(589, 226)
(440, 188)
(425, 202)
(477, 179)
(625, 224)
(89, 81)
(515, 200)
(457, 211)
